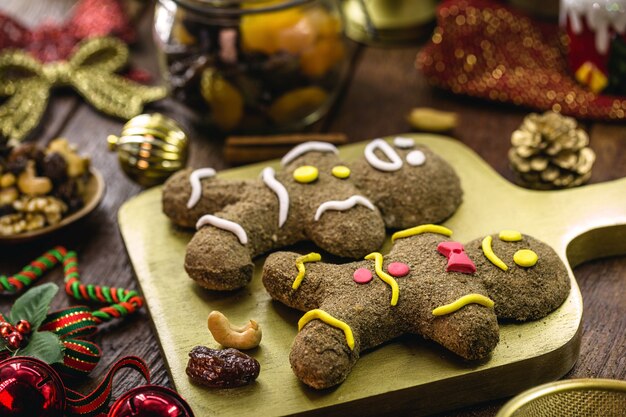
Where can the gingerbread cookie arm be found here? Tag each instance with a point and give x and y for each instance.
(190, 194)
(281, 271)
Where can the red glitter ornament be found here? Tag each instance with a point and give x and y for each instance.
(29, 387)
(53, 42)
(483, 49)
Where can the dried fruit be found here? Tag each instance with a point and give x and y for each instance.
(225, 100)
(297, 104)
(54, 167)
(227, 368)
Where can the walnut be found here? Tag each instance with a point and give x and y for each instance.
(49, 208)
(12, 224)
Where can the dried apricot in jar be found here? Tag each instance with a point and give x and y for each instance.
(270, 32)
(225, 101)
(297, 104)
(321, 57)
(226, 368)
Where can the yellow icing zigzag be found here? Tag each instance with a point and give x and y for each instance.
(489, 253)
(388, 279)
(330, 320)
(424, 228)
(462, 302)
(310, 257)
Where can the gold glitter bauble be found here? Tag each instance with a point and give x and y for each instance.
(151, 148)
(550, 152)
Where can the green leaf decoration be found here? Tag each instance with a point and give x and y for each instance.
(3, 344)
(45, 346)
(33, 305)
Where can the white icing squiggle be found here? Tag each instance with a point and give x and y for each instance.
(281, 192)
(415, 158)
(343, 205)
(306, 147)
(403, 143)
(223, 224)
(388, 151)
(196, 187)
(602, 17)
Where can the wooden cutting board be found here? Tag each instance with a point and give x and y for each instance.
(407, 374)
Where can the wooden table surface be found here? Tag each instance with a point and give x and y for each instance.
(383, 87)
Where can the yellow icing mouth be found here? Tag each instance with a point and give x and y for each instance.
(462, 302)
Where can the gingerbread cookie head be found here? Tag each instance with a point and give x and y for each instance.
(428, 285)
(325, 204)
(409, 183)
(524, 276)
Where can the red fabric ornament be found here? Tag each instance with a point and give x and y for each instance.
(53, 42)
(484, 49)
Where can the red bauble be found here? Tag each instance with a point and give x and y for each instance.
(23, 327)
(29, 387)
(150, 401)
(14, 340)
(6, 329)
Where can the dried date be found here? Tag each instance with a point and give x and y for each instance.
(226, 368)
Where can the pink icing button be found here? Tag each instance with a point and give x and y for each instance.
(398, 269)
(362, 276)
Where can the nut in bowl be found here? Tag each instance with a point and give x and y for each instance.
(44, 188)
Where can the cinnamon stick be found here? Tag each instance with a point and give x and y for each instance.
(247, 149)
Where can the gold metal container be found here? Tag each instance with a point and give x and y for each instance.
(151, 148)
(571, 398)
(385, 22)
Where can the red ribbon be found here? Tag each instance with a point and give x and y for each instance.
(74, 325)
(97, 401)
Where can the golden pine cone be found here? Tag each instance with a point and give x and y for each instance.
(549, 152)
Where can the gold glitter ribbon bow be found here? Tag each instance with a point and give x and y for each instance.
(90, 71)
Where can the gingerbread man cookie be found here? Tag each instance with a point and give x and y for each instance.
(428, 285)
(314, 197)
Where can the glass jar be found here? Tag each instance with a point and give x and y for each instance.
(255, 66)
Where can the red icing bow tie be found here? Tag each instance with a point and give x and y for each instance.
(54, 42)
(458, 261)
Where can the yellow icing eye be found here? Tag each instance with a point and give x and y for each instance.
(510, 236)
(525, 258)
(305, 174)
(341, 171)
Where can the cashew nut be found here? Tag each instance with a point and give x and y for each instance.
(30, 184)
(8, 196)
(245, 337)
(432, 120)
